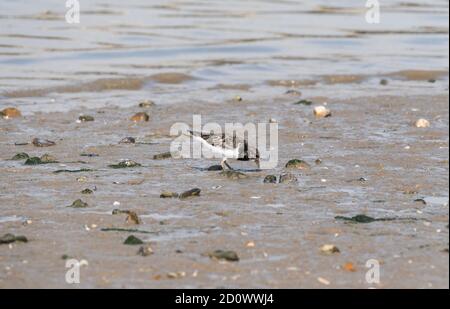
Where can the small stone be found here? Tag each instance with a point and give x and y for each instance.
(128, 140)
(298, 164)
(294, 92)
(140, 117)
(215, 168)
(162, 156)
(168, 194)
(270, 179)
(33, 161)
(288, 178)
(230, 256)
(132, 241)
(87, 191)
(146, 104)
(190, 193)
(422, 123)
(384, 82)
(79, 204)
(125, 164)
(329, 249)
(233, 175)
(86, 118)
(322, 112)
(38, 142)
(20, 156)
(10, 112)
(10, 238)
(238, 99)
(145, 251)
(318, 161)
(46, 159)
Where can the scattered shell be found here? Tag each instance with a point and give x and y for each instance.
(140, 117)
(298, 164)
(128, 140)
(288, 178)
(349, 267)
(162, 156)
(238, 99)
(422, 123)
(190, 193)
(330, 249)
(145, 251)
(177, 275)
(10, 238)
(230, 256)
(133, 240)
(146, 104)
(38, 142)
(234, 175)
(79, 204)
(125, 164)
(250, 244)
(85, 118)
(322, 112)
(10, 112)
(20, 156)
(270, 179)
(323, 281)
(272, 120)
(167, 194)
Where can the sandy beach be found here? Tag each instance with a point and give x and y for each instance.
(245, 62)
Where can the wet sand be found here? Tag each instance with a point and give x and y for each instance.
(374, 161)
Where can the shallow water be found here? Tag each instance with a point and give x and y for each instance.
(195, 57)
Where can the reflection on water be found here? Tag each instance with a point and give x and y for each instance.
(218, 42)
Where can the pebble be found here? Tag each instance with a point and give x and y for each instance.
(140, 117)
(38, 142)
(298, 164)
(230, 256)
(85, 118)
(384, 82)
(10, 112)
(422, 123)
(162, 156)
(132, 241)
(145, 251)
(215, 168)
(322, 112)
(168, 194)
(270, 179)
(20, 156)
(146, 104)
(128, 140)
(79, 204)
(329, 249)
(10, 238)
(288, 178)
(190, 193)
(125, 164)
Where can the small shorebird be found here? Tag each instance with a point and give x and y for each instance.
(227, 147)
